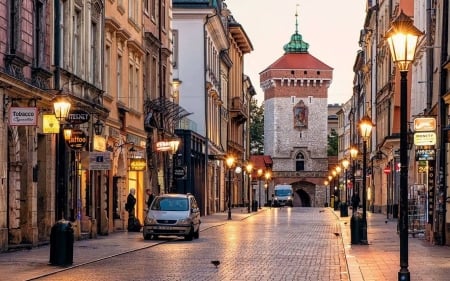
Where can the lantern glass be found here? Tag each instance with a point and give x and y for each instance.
(345, 163)
(61, 105)
(403, 38)
(365, 127)
(230, 161)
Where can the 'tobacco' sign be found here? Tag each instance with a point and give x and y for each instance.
(23, 116)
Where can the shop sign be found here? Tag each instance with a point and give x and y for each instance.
(424, 124)
(179, 172)
(50, 124)
(425, 154)
(138, 164)
(424, 138)
(100, 160)
(78, 116)
(99, 143)
(77, 140)
(23, 116)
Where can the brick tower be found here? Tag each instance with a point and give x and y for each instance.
(295, 120)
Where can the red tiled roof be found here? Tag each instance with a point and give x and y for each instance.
(299, 61)
(261, 162)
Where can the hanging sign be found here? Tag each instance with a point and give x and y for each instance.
(23, 116)
(50, 124)
(77, 140)
(424, 138)
(78, 116)
(138, 164)
(424, 124)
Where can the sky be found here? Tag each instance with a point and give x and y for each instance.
(330, 27)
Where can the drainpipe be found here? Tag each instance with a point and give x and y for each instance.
(205, 190)
(440, 201)
(57, 55)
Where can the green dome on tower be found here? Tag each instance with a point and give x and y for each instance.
(296, 45)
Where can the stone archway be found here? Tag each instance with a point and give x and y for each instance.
(304, 194)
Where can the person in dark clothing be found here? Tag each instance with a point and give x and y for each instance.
(355, 202)
(150, 197)
(133, 222)
(131, 202)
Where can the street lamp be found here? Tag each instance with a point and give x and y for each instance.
(230, 163)
(353, 155)
(249, 169)
(326, 183)
(344, 209)
(61, 106)
(338, 187)
(333, 189)
(329, 187)
(403, 38)
(365, 128)
(267, 175)
(260, 172)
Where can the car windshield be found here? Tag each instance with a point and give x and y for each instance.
(170, 204)
(282, 192)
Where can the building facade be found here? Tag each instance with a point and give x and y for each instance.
(296, 139)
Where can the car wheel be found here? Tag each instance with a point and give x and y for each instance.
(147, 237)
(190, 235)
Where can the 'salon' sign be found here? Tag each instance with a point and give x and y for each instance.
(23, 116)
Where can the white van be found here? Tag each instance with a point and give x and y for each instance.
(283, 195)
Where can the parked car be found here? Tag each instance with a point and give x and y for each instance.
(173, 214)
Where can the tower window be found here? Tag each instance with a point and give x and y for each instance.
(300, 162)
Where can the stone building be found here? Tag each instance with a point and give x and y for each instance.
(295, 120)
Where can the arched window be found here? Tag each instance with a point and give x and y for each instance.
(300, 162)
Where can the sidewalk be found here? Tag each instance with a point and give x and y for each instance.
(377, 261)
(34, 263)
(380, 260)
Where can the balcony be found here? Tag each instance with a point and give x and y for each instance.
(238, 110)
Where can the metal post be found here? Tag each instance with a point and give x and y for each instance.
(354, 181)
(364, 215)
(259, 193)
(229, 193)
(248, 192)
(403, 274)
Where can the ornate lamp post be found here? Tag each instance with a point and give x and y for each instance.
(61, 106)
(267, 175)
(353, 155)
(260, 172)
(365, 128)
(230, 163)
(333, 189)
(403, 38)
(329, 189)
(338, 187)
(249, 169)
(326, 183)
(344, 208)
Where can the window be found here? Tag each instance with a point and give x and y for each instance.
(119, 78)
(130, 84)
(107, 62)
(62, 33)
(153, 9)
(14, 25)
(39, 34)
(163, 14)
(93, 56)
(146, 6)
(175, 48)
(300, 162)
(76, 40)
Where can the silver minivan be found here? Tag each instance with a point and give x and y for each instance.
(173, 215)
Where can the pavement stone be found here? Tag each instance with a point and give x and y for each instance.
(377, 261)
